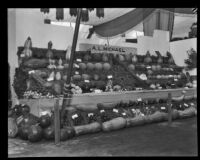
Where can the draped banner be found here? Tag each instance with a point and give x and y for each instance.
(160, 19)
(123, 23)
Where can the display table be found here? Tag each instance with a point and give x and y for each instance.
(38, 105)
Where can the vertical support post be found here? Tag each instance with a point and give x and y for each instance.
(57, 121)
(169, 109)
(71, 61)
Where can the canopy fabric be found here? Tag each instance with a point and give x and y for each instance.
(123, 23)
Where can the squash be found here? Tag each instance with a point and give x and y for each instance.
(175, 114)
(82, 66)
(128, 57)
(105, 106)
(89, 128)
(160, 60)
(12, 128)
(154, 68)
(114, 124)
(187, 113)
(49, 133)
(134, 59)
(77, 77)
(136, 121)
(36, 63)
(23, 132)
(85, 77)
(158, 116)
(147, 58)
(86, 108)
(121, 58)
(158, 67)
(106, 66)
(35, 133)
(131, 67)
(98, 66)
(90, 66)
(67, 133)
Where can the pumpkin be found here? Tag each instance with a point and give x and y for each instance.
(121, 58)
(131, 67)
(66, 133)
(105, 58)
(77, 77)
(23, 132)
(90, 66)
(106, 66)
(27, 120)
(98, 66)
(96, 77)
(89, 128)
(134, 59)
(12, 128)
(49, 133)
(82, 66)
(85, 77)
(87, 57)
(35, 133)
(114, 124)
(45, 121)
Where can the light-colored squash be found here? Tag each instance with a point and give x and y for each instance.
(86, 129)
(86, 108)
(136, 121)
(187, 113)
(114, 124)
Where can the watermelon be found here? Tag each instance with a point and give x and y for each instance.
(24, 132)
(35, 133)
(45, 121)
(49, 133)
(66, 133)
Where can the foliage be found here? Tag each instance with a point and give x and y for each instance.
(191, 62)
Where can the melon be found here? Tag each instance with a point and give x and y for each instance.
(82, 66)
(85, 77)
(105, 58)
(45, 121)
(35, 133)
(96, 77)
(77, 77)
(49, 133)
(121, 58)
(106, 66)
(131, 67)
(90, 66)
(98, 66)
(66, 133)
(23, 132)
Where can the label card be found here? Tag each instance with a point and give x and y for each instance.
(78, 60)
(76, 72)
(142, 114)
(134, 111)
(192, 104)
(87, 81)
(148, 67)
(175, 79)
(115, 110)
(109, 76)
(124, 114)
(74, 116)
(22, 55)
(163, 108)
(76, 65)
(32, 71)
(90, 114)
(139, 99)
(101, 111)
(186, 105)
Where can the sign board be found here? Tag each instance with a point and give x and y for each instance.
(95, 48)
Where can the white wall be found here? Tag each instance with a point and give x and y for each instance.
(179, 49)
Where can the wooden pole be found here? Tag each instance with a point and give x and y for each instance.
(57, 121)
(67, 94)
(169, 109)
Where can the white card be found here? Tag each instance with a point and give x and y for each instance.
(90, 114)
(22, 55)
(192, 104)
(76, 65)
(32, 71)
(148, 67)
(175, 79)
(87, 81)
(186, 105)
(115, 110)
(101, 111)
(139, 99)
(133, 110)
(74, 116)
(78, 60)
(163, 108)
(109, 76)
(124, 114)
(76, 72)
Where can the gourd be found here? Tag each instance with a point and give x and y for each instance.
(134, 59)
(45, 121)
(57, 88)
(148, 59)
(114, 124)
(86, 107)
(128, 57)
(158, 116)
(66, 133)
(27, 48)
(23, 132)
(136, 121)
(187, 113)
(121, 58)
(89, 128)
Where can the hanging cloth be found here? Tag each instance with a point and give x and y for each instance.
(73, 12)
(44, 10)
(59, 13)
(100, 12)
(85, 15)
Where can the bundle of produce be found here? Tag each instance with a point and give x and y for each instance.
(36, 63)
(187, 113)
(67, 133)
(114, 124)
(12, 128)
(88, 128)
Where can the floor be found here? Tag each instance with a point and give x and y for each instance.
(179, 139)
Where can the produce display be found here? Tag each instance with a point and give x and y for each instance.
(103, 117)
(42, 73)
